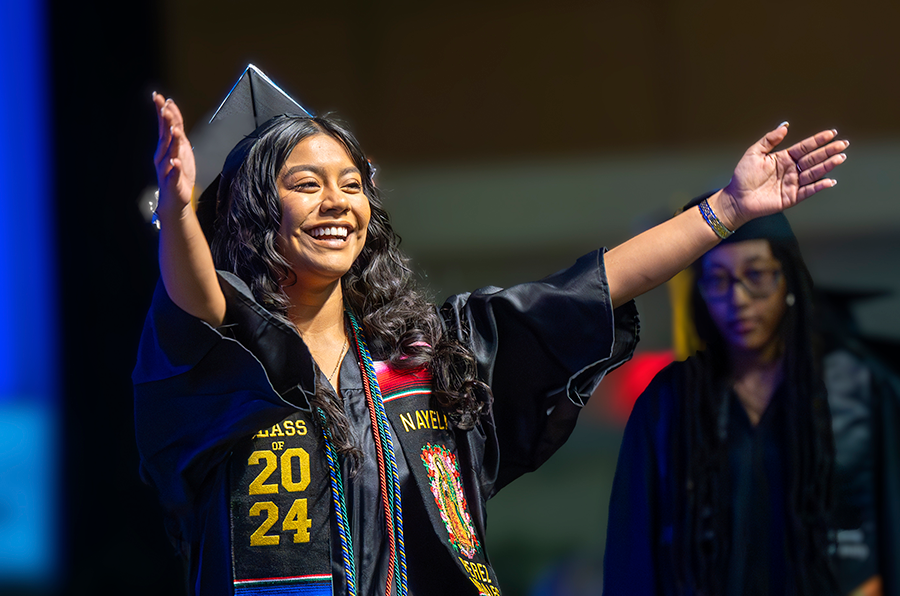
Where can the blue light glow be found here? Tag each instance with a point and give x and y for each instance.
(28, 344)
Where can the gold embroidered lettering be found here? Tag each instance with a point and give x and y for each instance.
(297, 519)
(259, 486)
(277, 445)
(287, 470)
(289, 428)
(483, 572)
(480, 577)
(430, 419)
(276, 431)
(465, 565)
(259, 537)
(261, 434)
(301, 427)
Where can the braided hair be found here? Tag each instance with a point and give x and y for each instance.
(702, 537)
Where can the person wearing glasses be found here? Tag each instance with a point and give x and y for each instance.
(723, 484)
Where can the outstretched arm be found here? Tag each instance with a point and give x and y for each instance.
(185, 261)
(765, 181)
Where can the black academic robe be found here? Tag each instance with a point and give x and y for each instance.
(204, 397)
(864, 399)
(639, 557)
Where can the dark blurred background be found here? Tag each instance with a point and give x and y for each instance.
(509, 136)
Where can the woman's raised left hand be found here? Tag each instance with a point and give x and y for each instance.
(766, 181)
(174, 160)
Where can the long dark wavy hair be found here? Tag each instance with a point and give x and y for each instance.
(702, 541)
(399, 323)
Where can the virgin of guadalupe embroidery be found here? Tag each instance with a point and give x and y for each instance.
(443, 476)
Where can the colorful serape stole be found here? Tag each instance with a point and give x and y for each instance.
(398, 384)
(309, 585)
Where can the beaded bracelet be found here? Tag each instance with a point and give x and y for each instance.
(717, 226)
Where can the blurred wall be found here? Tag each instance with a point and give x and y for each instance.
(432, 82)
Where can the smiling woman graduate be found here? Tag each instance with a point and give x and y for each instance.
(312, 425)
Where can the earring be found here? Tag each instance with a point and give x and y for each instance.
(790, 299)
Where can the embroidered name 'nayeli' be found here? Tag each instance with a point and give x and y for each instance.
(291, 428)
(479, 575)
(418, 419)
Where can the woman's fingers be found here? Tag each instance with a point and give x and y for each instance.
(172, 139)
(773, 138)
(171, 159)
(174, 170)
(819, 155)
(810, 189)
(816, 170)
(176, 167)
(158, 102)
(162, 147)
(172, 108)
(168, 117)
(810, 144)
(167, 148)
(165, 162)
(813, 158)
(166, 123)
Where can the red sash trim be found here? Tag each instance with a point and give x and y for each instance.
(396, 384)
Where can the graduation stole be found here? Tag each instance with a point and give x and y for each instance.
(429, 445)
(281, 544)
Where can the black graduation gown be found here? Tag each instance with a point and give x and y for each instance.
(201, 393)
(864, 399)
(640, 532)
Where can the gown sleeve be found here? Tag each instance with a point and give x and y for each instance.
(542, 347)
(198, 390)
(639, 523)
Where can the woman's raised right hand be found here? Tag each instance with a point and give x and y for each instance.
(174, 159)
(185, 262)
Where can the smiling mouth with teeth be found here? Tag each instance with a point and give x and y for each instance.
(329, 233)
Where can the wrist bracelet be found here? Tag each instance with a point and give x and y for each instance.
(154, 219)
(717, 226)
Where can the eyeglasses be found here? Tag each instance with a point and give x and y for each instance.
(759, 283)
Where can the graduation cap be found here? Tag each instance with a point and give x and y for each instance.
(838, 325)
(253, 101)
(835, 308)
